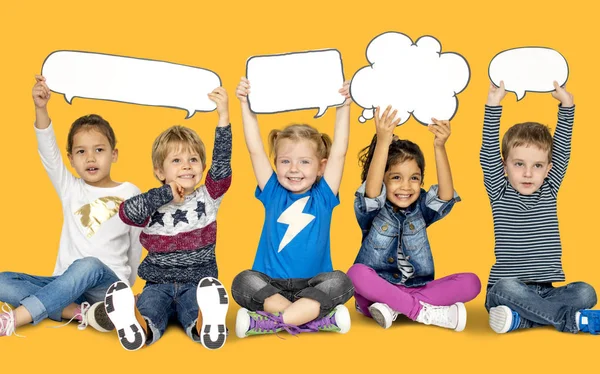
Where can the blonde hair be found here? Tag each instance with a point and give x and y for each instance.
(528, 133)
(298, 132)
(176, 137)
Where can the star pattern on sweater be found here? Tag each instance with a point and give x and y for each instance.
(179, 216)
(157, 217)
(200, 209)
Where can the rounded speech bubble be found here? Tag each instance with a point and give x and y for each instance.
(295, 81)
(416, 78)
(529, 69)
(130, 80)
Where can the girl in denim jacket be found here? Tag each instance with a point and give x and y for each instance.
(393, 272)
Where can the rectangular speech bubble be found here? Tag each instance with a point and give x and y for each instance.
(130, 80)
(295, 81)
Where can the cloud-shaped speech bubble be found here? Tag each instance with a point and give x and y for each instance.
(532, 69)
(414, 78)
(294, 81)
(130, 80)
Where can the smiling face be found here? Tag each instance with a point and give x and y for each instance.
(526, 168)
(297, 165)
(92, 157)
(403, 183)
(182, 165)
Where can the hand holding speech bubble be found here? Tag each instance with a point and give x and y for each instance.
(532, 69)
(295, 81)
(415, 78)
(130, 80)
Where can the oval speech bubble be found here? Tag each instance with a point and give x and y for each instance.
(130, 80)
(295, 81)
(532, 69)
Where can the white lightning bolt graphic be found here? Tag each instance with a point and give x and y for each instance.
(296, 220)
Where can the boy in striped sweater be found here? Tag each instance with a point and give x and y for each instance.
(180, 232)
(522, 183)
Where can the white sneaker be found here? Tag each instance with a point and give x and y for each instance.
(97, 317)
(7, 321)
(450, 317)
(383, 314)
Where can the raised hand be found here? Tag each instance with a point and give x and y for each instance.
(345, 91)
(385, 124)
(495, 94)
(219, 96)
(40, 92)
(561, 94)
(242, 90)
(441, 130)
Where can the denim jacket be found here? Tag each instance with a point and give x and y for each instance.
(384, 229)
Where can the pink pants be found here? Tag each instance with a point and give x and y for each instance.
(370, 288)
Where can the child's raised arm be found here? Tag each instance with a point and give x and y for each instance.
(41, 96)
(218, 178)
(337, 155)
(441, 129)
(489, 155)
(258, 156)
(561, 141)
(384, 127)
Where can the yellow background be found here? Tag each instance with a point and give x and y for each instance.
(220, 36)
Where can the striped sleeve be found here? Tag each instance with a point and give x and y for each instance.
(561, 146)
(489, 155)
(136, 210)
(218, 179)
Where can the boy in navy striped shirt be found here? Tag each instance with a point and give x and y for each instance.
(522, 184)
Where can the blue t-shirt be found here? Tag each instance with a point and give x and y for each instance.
(294, 242)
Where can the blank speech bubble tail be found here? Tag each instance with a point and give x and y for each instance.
(190, 113)
(520, 94)
(322, 111)
(69, 98)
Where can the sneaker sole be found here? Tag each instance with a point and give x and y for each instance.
(342, 317)
(242, 323)
(99, 319)
(120, 307)
(379, 318)
(213, 303)
(462, 317)
(500, 319)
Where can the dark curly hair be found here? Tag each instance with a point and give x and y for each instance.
(400, 151)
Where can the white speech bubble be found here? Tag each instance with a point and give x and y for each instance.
(414, 78)
(295, 81)
(130, 80)
(532, 69)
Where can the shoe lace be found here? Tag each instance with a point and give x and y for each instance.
(7, 322)
(435, 315)
(321, 323)
(269, 322)
(83, 322)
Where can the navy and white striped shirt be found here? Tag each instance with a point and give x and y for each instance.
(527, 241)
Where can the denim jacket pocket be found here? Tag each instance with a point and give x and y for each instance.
(414, 235)
(382, 234)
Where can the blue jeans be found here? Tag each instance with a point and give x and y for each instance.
(541, 304)
(86, 279)
(160, 302)
(250, 289)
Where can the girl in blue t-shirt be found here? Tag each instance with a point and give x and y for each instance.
(292, 285)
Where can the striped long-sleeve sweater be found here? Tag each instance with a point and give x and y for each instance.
(527, 240)
(181, 238)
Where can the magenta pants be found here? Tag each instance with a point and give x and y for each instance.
(370, 288)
